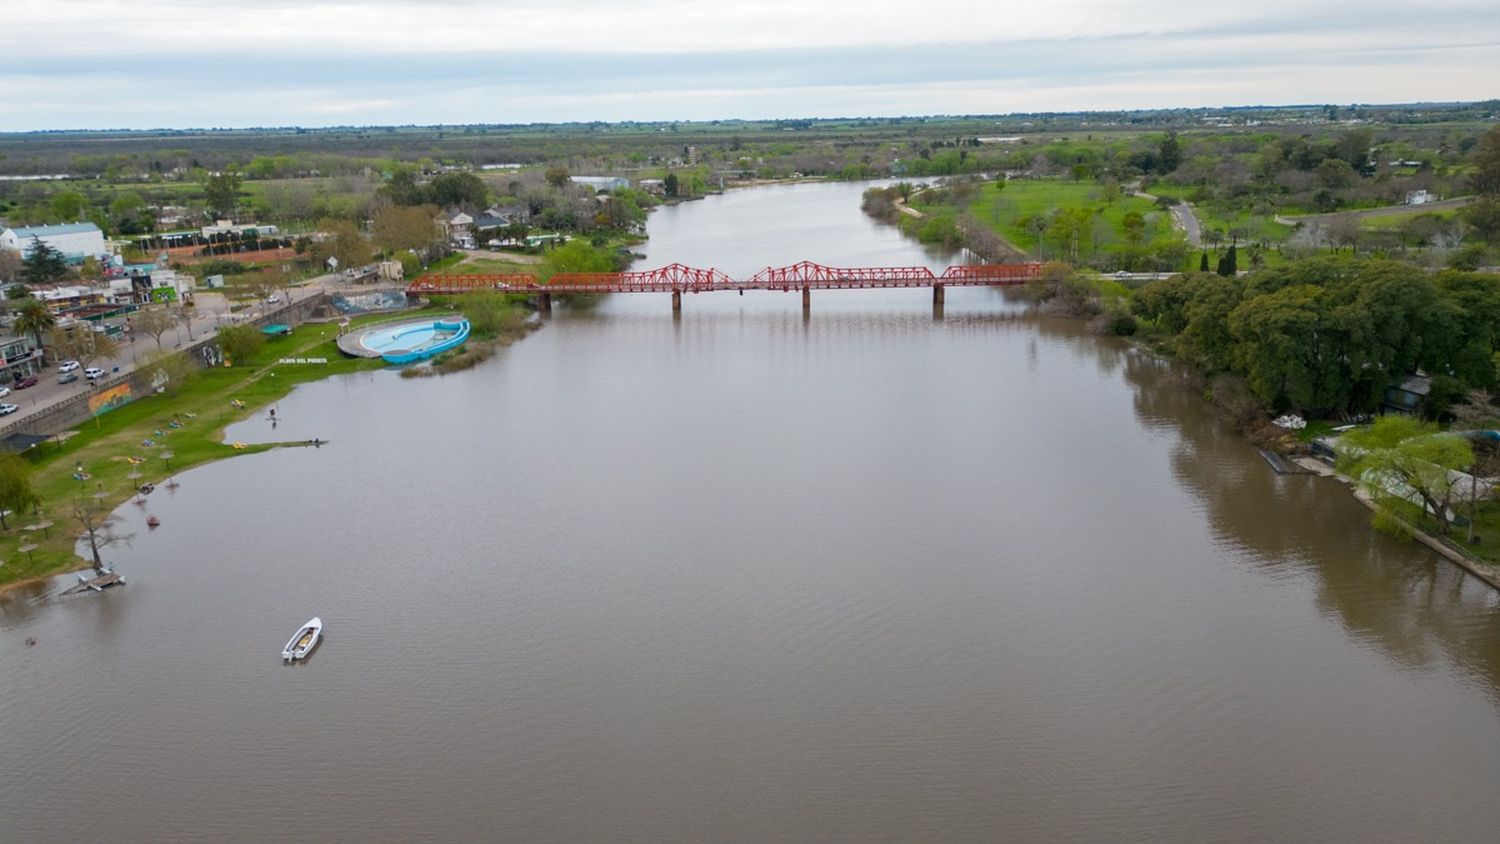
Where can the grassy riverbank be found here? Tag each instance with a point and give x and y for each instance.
(105, 447)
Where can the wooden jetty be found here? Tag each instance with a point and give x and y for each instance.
(98, 583)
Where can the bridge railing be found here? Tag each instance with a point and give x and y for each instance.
(680, 277)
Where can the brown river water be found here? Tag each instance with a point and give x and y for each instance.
(864, 575)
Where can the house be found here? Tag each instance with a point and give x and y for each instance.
(455, 225)
(76, 241)
(1408, 394)
(604, 183)
(655, 187)
(19, 357)
(1419, 197)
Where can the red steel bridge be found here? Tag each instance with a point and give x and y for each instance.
(678, 279)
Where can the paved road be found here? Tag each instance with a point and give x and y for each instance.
(210, 311)
(1382, 211)
(1186, 219)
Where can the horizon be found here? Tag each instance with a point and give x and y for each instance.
(710, 121)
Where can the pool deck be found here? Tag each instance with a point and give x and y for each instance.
(350, 343)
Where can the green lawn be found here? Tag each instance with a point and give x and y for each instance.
(1005, 210)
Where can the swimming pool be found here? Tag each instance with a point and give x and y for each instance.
(411, 341)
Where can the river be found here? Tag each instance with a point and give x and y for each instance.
(867, 574)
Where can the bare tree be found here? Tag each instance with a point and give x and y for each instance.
(83, 344)
(154, 321)
(96, 526)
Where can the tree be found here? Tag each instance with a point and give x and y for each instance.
(154, 321)
(222, 193)
(35, 318)
(16, 494)
(669, 184)
(396, 228)
(1485, 177)
(96, 526)
(83, 344)
(44, 265)
(1229, 263)
(1203, 263)
(10, 265)
(1169, 155)
(558, 176)
(344, 242)
(1400, 458)
(69, 206)
(459, 189)
(169, 370)
(489, 313)
(240, 342)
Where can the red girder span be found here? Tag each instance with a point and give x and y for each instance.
(446, 283)
(973, 274)
(662, 279)
(811, 275)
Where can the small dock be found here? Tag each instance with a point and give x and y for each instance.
(98, 583)
(1281, 465)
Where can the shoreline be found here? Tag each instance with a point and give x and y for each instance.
(255, 388)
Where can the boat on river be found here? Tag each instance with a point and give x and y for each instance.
(303, 641)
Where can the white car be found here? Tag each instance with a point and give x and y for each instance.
(4, 391)
(93, 373)
(272, 299)
(7, 408)
(67, 366)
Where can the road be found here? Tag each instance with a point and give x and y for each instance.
(1186, 218)
(210, 311)
(1382, 211)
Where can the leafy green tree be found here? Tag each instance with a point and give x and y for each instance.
(241, 342)
(44, 265)
(576, 256)
(1400, 458)
(342, 240)
(396, 228)
(69, 206)
(459, 189)
(1169, 154)
(35, 318)
(222, 193)
(16, 494)
(1203, 263)
(557, 176)
(402, 188)
(1229, 262)
(489, 313)
(669, 184)
(1484, 179)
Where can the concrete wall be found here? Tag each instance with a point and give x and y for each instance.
(72, 411)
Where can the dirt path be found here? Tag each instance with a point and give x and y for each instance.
(1383, 211)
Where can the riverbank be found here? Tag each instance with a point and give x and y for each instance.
(159, 436)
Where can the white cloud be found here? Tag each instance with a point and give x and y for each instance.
(181, 62)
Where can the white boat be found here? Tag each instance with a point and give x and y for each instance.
(303, 641)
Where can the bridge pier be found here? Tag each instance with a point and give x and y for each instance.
(937, 295)
(676, 301)
(806, 300)
(544, 303)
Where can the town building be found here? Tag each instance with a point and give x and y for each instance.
(19, 357)
(75, 241)
(604, 183)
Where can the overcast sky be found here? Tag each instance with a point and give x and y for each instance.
(187, 63)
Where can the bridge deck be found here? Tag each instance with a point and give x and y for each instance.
(678, 278)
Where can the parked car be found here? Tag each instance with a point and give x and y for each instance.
(28, 381)
(7, 408)
(93, 373)
(272, 299)
(67, 366)
(67, 377)
(4, 391)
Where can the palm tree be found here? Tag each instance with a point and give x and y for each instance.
(35, 318)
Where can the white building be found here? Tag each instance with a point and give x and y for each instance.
(230, 227)
(603, 182)
(75, 241)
